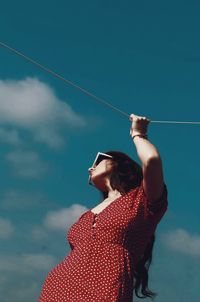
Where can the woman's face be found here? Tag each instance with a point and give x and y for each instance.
(99, 172)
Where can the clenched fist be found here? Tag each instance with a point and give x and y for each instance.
(139, 124)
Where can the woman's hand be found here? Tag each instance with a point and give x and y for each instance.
(139, 124)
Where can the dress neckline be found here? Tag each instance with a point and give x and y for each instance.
(97, 214)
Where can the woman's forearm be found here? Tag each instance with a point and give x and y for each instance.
(145, 149)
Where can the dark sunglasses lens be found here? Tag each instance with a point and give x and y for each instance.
(100, 158)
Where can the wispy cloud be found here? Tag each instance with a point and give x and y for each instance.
(32, 105)
(6, 228)
(39, 233)
(63, 218)
(21, 291)
(182, 241)
(10, 137)
(27, 164)
(16, 199)
(21, 276)
(26, 263)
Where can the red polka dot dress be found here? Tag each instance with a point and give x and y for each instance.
(105, 248)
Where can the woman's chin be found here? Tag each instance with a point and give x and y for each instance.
(97, 181)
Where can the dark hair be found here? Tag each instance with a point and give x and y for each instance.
(126, 175)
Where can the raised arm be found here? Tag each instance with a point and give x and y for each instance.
(153, 180)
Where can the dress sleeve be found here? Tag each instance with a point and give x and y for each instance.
(159, 205)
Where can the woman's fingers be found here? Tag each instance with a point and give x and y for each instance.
(139, 124)
(135, 118)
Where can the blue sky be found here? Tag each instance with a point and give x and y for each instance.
(141, 56)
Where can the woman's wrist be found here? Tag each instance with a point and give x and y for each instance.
(139, 134)
(145, 149)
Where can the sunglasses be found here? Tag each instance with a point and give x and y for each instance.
(99, 157)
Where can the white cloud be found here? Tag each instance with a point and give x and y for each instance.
(181, 241)
(27, 164)
(22, 276)
(32, 105)
(39, 233)
(26, 263)
(38, 261)
(6, 228)
(14, 199)
(27, 292)
(10, 137)
(3, 280)
(63, 218)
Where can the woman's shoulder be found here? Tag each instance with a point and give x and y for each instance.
(138, 195)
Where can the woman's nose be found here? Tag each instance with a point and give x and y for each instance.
(90, 169)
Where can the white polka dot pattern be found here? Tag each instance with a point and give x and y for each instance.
(105, 249)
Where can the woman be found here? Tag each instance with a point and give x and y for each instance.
(112, 243)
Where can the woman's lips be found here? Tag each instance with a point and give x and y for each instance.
(91, 172)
